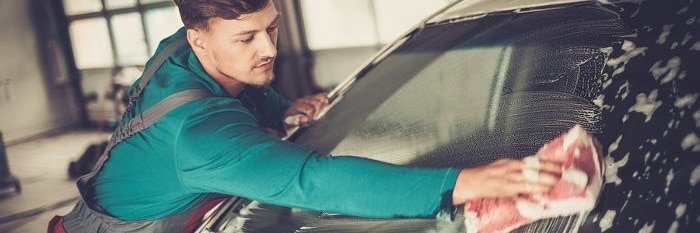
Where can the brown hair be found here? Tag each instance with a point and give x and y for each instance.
(196, 13)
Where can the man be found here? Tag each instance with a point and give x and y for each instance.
(214, 143)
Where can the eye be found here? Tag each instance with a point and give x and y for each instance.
(247, 39)
(272, 28)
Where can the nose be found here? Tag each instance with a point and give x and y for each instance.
(266, 47)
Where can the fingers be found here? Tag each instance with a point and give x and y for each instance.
(304, 120)
(304, 110)
(318, 101)
(539, 175)
(550, 167)
(311, 105)
(307, 109)
(533, 188)
(321, 98)
(296, 120)
(507, 178)
(531, 174)
(547, 179)
(508, 164)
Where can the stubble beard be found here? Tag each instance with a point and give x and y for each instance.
(265, 80)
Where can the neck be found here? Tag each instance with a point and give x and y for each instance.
(231, 85)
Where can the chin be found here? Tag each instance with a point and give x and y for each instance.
(262, 81)
(267, 80)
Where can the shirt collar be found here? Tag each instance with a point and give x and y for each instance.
(188, 60)
(195, 66)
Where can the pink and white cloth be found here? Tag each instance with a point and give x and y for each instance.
(577, 191)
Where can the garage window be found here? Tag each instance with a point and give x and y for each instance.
(342, 34)
(94, 51)
(125, 32)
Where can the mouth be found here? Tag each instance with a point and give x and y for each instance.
(265, 65)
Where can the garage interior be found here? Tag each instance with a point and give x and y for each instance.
(69, 63)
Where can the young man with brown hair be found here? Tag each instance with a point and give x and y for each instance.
(211, 101)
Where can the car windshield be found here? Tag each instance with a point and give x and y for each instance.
(466, 93)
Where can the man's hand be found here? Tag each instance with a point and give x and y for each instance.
(304, 110)
(505, 178)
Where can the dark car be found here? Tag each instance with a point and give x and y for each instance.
(482, 80)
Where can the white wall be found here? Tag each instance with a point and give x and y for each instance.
(332, 66)
(31, 103)
(343, 34)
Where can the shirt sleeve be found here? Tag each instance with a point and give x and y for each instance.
(222, 150)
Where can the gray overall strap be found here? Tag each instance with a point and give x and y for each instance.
(151, 70)
(147, 118)
(135, 125)
(141, 121)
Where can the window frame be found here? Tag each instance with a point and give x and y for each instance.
(376, 22)
(107, 14)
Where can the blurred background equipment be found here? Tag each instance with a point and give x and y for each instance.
(6, 178)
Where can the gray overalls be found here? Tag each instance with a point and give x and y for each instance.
(87, 216)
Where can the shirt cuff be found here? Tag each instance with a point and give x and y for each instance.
(446, 211)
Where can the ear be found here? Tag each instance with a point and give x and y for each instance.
(197, 39)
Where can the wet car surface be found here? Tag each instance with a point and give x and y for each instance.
(484, 80)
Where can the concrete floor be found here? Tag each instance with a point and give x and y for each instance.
(42, 168)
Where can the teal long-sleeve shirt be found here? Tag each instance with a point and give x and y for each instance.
(218, 145)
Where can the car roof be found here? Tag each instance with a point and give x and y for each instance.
(473, 8)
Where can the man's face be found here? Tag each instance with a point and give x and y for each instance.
(243, 49)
